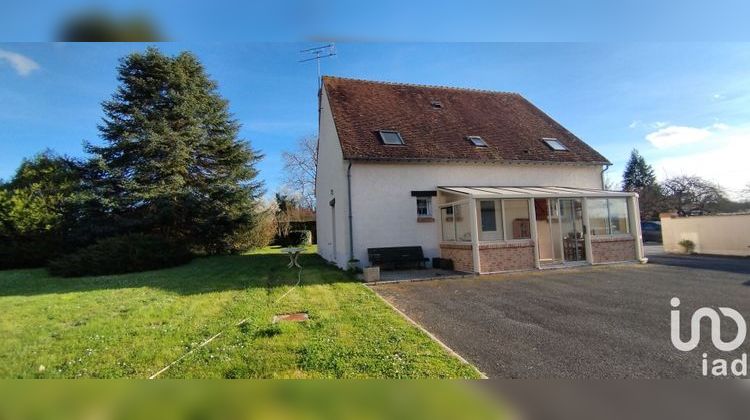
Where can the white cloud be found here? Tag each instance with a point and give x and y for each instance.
(723, 160)
(717, 97)
(22, 64)
(720, 126)
(676, 135)
(653, 125)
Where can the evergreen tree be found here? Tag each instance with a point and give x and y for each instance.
(173, 163)
(639, 177)
(638, 174)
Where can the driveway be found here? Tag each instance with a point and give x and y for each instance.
(591, 322)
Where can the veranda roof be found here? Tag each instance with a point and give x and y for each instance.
(533, 192)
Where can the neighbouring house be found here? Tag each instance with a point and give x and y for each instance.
(482, 178)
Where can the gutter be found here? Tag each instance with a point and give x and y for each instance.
(472, 161)
(349, 199)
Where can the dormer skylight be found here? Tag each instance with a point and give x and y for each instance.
(436, 105)
(554, 144)
(390, 137)
(477, 141)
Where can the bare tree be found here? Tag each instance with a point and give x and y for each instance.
(609, 184)
(691, 193)
(300, 167)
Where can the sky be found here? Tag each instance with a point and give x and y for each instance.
(684, 106)
(389, 20)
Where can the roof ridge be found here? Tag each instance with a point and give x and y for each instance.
(420, 85)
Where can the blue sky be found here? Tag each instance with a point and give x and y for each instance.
(415, 20)
(685, 106)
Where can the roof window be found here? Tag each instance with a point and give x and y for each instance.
(436, 104)
(554, 144)
(477, 141)
(390, 137)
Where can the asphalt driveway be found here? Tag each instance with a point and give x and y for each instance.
(591, 322)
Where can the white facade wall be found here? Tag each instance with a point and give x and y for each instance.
(385, 213)
(331, 183)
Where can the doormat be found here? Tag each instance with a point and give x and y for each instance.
(294, 317)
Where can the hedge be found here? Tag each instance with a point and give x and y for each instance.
(121, 254)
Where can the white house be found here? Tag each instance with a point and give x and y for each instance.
(483, 178)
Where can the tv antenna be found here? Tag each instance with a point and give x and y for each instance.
(317, 53)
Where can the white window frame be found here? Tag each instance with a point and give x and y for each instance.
(608, 223)
(428, 202)
(503, 234)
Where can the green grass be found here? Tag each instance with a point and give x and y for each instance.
(133, 325)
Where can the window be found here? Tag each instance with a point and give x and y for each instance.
(436, 104)
(390, 137)
(477, 141)
(490, 220)
(516, 219)
(487, 212)
(618, 216)
(554, 144)
(608, 216)
(497, 220)
(462, 220)
(424, 207)
(597, 209)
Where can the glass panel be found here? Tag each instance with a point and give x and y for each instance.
(597, 209)
(391, 137)
(463, 225)
(618, 216)
(487, 212)
(489, 220)
(424, 207)
(555, 230)
(516, 221)
(571, 222)
(446, 222)
(544, 237)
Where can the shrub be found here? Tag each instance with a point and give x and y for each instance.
(257, 234)
(297, 238)
(121, 254)
(29, 250)
(687, 245)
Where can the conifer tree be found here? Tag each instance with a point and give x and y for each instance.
(638, 174)
(639, 177)
(172, 162)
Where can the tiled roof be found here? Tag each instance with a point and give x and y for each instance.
(511, 126)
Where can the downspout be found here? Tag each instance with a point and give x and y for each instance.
(349, 197)
(606, 168)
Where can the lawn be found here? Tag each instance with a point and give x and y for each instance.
(133, 325)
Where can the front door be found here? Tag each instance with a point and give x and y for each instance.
(573, 235)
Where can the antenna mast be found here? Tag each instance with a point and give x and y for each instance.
(317, 53)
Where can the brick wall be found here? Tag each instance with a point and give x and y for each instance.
(460, 254)
(612, 249)
(492, 257)
(506, 256)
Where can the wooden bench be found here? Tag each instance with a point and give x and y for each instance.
(398, 256)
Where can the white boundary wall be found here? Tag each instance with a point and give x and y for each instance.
(721, 235)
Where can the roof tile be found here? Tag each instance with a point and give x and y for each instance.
(511, 126)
